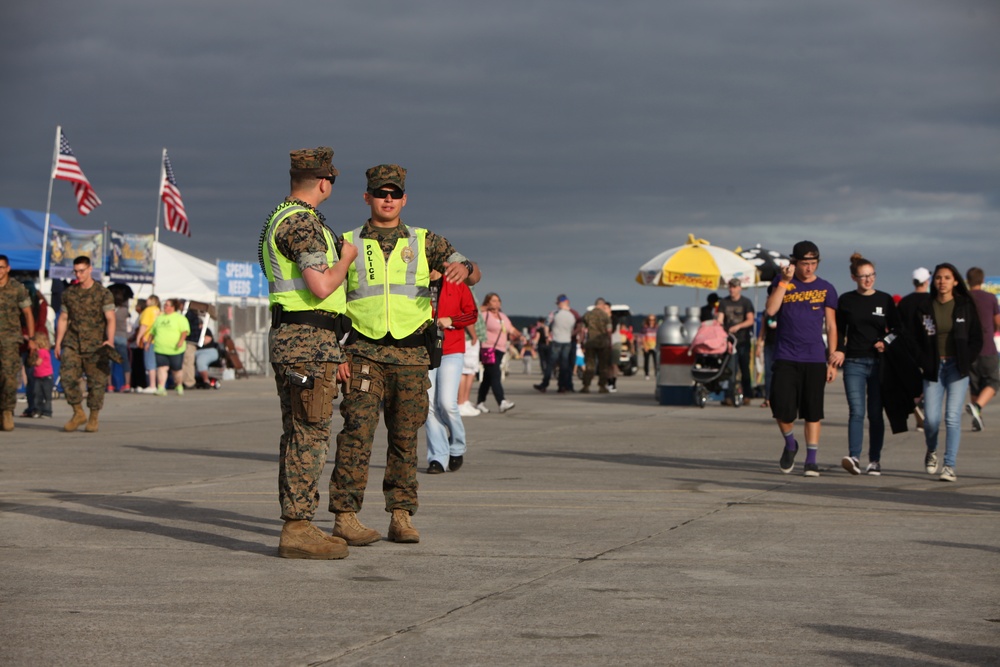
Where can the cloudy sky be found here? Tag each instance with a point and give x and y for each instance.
(559, 144)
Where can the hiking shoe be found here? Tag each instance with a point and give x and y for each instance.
(874, 468)
(930, 462)
(348, 528)
(787, 461)
(301, 539)
(810, 470)
(977, 416)
(506, 405)
(434, 468)
(482, 408)
(948, 474)
(851, 465)
(400, 528)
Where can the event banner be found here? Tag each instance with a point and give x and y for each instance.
(241, 279)
(130, 257)
(65, 245)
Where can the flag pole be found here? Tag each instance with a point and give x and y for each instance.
(156, 232)
(48, 209)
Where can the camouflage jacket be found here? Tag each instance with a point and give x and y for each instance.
(87, 328)
(13, 299)
(300, 239)
(438, 251)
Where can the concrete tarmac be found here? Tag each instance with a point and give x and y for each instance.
(582, 530)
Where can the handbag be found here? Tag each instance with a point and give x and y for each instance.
(488, 355)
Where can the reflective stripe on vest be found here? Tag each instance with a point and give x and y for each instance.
(285, 284)
(376, 299)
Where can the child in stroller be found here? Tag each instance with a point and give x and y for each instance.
(711, 349)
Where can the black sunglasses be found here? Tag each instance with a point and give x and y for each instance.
(332, 179)
(382, 194)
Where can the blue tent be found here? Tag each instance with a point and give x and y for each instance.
(21, 236)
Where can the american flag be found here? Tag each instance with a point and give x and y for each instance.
(68, 169)
(175, 219)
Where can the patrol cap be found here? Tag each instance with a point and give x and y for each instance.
(803, 250)
(317, 160)
(386, 174)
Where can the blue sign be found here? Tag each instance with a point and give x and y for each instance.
(244, 279)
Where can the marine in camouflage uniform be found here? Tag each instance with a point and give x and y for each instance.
(305, 349)
(597, 347)
(14, 301)
(389, 371)
(86, 323)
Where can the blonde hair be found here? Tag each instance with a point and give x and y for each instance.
(42, 341)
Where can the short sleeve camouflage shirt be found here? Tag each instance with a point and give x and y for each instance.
(300, 238)
(14, 298)
(86, 308)
(438, 251)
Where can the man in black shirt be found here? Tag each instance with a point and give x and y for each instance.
(738, 313)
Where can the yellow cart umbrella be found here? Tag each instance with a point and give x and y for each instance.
(696, 264)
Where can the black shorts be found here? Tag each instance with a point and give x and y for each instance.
(797, 391)
(174, 361)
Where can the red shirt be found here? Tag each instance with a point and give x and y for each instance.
(455, 301)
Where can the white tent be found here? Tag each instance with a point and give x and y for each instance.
(183, 276)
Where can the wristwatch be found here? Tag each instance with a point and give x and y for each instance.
(468, 265)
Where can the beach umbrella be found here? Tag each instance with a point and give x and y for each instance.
(698, 264)
(768, 262)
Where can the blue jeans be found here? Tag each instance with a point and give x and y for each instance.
(561, 361)
(204, 358)
(950, 389)
(861, 377)
(445, 430)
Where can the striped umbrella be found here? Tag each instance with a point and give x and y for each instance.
(697, 263)
(768, 263)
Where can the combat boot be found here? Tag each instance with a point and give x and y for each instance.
(8, 420)
(400, 528)
(301, 539)
(77, 420)
(92, 422)
(357, 534)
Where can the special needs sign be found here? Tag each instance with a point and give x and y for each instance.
(241, 279)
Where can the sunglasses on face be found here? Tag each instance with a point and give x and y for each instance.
(385, 194)
(331, 179)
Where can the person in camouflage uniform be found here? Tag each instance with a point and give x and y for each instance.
(85, 335)
(14, 302)
(305, 269)
(597, 347)
(390, 370)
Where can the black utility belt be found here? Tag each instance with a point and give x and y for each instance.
(313, 318)
(418, 339)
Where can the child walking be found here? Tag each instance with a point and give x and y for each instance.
(42, 370)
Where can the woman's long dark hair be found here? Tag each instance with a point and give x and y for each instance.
(960, 287)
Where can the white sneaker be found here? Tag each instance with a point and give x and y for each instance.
(948, 474)
(506, 405)
(147, 390)
(468, 410)
(482, 407)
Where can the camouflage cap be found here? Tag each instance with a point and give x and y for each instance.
(314, 159)
(386, 174)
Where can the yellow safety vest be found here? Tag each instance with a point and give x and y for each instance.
(389, 296)
(285, 285)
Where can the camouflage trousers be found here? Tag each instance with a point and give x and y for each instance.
(10, 373)
(305, 437)
(74, 366)
(598, 360)
(403, 392)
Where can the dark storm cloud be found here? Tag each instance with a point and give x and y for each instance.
(561, 144)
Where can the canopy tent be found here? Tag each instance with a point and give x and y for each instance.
(21, 236)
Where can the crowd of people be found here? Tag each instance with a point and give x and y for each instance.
(92, 348)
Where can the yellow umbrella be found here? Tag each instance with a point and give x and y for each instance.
(696, 264)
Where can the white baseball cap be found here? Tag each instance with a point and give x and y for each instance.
(921, 275)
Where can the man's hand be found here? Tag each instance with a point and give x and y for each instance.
(455, 272)
(787, 272)
(349, 252)
(344, 372)
(58, 351)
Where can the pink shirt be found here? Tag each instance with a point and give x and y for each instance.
(495, 332)
(44, 369)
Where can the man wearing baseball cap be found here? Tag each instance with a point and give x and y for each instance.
(907, 308)
(562, 323)
(739, 319)
(802, 302)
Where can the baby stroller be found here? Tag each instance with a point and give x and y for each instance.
(712, 349)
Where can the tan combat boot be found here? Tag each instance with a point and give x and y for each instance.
(92, 422)
(357, 534)
(400, 528)
(8, 420)
(301, 539)
(77, 420)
